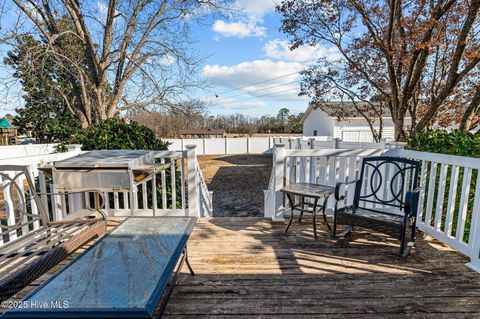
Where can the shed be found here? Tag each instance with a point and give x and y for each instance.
(342, 120)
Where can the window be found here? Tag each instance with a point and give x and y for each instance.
(314, 132)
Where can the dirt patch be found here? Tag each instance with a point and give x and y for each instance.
(237, 182)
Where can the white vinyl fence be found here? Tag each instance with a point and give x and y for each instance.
(241, 145)
(12, 151)
(449, 207)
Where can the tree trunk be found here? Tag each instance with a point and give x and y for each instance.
(399, 127)
(470, 112)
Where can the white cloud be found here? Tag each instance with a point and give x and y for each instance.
(265, 79)
(255, 9)
(247, 105)
(238, 29)
(248, 20)
(279, 49)
(168, 59)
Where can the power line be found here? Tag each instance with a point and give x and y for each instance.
(258, 89)
(260, 82)
(255, 97)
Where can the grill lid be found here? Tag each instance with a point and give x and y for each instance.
(128, 159)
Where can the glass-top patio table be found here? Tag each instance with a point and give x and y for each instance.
(308, 192)
(123, 275)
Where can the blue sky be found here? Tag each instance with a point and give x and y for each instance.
(248, 48)
(247, 62)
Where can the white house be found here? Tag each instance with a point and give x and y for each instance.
(323, 121)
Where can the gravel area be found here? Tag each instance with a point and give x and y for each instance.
(237, 182)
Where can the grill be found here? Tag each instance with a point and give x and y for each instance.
(114, 170)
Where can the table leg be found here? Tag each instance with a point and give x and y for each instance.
(314, 218)
(303, 207)
(185, 253)
(289, 196)
(324, 214)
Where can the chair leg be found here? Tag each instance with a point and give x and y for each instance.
(413, 235)
(343, 233)
(404, 247)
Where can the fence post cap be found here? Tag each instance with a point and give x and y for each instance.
(190, 146)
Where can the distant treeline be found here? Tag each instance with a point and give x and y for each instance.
(168, 124)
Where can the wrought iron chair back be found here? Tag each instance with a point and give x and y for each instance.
(384, 182)
(30, 243)
(23, 208)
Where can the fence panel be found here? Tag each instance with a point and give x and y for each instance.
(244, 145)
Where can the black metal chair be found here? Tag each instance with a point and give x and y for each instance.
(385, 199)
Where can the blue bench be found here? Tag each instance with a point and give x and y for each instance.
(123, 275)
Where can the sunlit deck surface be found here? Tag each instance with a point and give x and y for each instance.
(246, 268)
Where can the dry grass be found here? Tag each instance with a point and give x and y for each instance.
(237, 182)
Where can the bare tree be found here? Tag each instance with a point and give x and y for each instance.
(168, 122)
(419, 56)
(117, 55)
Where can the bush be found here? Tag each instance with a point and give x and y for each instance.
(116, 134)
(454, 142)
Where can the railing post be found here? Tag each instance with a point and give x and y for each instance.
(204, 146)
(311, 141)
(278, 163)
(192, 185)
(383, 143)
(226, 145)
(474, 263)
(248, 145)
(335, 143)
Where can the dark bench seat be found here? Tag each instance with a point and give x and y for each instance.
(123, 275)
(385, 199)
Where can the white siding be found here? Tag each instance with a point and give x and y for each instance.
(319, 121)
(357, 130)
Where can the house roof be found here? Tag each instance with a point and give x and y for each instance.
(4, 123)
(203, 131)
(344, 110)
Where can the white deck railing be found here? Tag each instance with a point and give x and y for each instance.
(450, 200)
(180, 190)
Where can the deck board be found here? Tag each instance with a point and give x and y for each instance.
(246, 268)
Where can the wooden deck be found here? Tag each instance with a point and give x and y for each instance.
(246, 268)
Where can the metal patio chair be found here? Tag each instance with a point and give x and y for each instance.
(30, 243)
(385, 199)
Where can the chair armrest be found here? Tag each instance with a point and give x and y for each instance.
(339, 197)
(411, 201)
